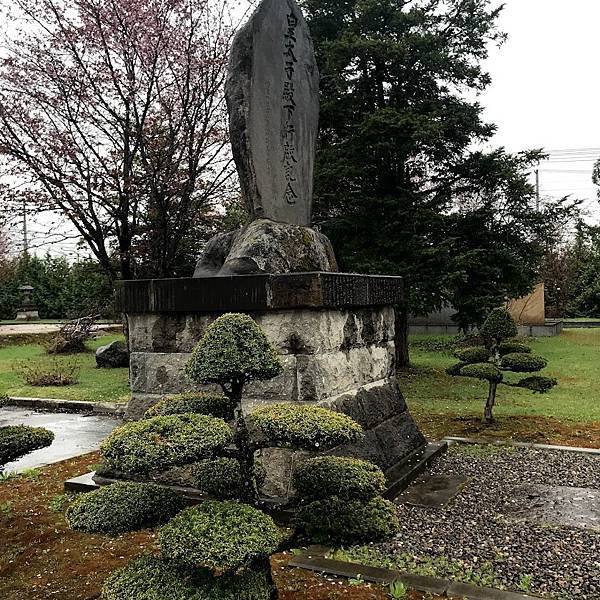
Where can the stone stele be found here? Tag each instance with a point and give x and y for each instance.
(272, 97)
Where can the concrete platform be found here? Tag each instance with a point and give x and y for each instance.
(75, 434)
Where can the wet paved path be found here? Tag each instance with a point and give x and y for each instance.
(75, 434)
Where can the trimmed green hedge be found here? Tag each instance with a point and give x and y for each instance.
(486, 371)
(520, 362)
(475, 354)
(122, 507)
(200, 403)
(19, 440)
(499, 326)
(151, 578)
(218, 535)
(233, 348)
(454, 370)
(336, 520)
(162, 442)
(304, 426)
(538, 384)
(348, 478)
(512, 348)
(222, 477)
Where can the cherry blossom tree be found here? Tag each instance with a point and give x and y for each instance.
(112, 115)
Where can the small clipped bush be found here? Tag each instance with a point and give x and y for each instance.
(163, 442)
(454, 370)
(476, 354)
(513, 347)
(520, 362)
(347, 478)
(348, 521)
(19, 440)
(499, 326)
(485, 371)
(200, 403)
(151, 578)
(233, 348)
(123, 507)
(218, 535)
(305, 426)
(538, 384)
(222, 477)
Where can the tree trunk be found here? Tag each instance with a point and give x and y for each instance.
(249, 492)
(401, 337)
(488, 414)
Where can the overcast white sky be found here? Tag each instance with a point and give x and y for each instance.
(546, 92)
(546, 89)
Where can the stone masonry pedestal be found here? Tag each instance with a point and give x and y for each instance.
(334, 333)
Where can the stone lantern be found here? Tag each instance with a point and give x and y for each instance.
(28, 310)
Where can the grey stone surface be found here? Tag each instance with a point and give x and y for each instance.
(555, 505)
(272, 95)
(433, 490)
(74, 434)
(265, 246)
(299, 331)
(112, 356)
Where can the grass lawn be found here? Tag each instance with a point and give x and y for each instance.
(452, 405)
(95, 385)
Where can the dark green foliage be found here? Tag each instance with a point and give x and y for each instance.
(513, 347)
(122, 507)
(201, 403)
(521, 362)
(222, 477)
(219, 535)
(499, 326)
(455, 370)
(304, 426)
(61, 290)
(233, 349)
(18, 440)
(485, 371)
(162, 442)
(476, 354)
(348, 521)
(538, 384)
(348, 478)
(151, 578)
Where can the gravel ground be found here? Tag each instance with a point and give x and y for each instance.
(558, 562)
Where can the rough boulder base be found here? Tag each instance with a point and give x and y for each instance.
(112, 356)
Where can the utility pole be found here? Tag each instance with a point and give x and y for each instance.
(25, 238)
(537, 189)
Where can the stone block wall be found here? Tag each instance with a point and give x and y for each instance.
(341, 358)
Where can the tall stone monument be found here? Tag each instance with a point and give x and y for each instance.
(333, 331)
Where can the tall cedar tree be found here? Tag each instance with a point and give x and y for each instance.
(397, 188)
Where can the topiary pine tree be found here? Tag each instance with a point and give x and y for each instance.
(197, 429)
(500, 354)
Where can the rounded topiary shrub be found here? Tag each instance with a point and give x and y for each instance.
(348, 478)
(304, 426)
(513, 347)
(476, 354)
(222, 477)
(123, 507)
(499, 326)
(348, 521)
(152, 578)
(486, 371)
(538, 384)
(214, 405)
(454, 370)
(18, 440)
(520, 362)
(219, 535)
(233, 348)
(162, 442)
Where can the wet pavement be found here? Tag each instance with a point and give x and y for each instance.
(75, 434)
